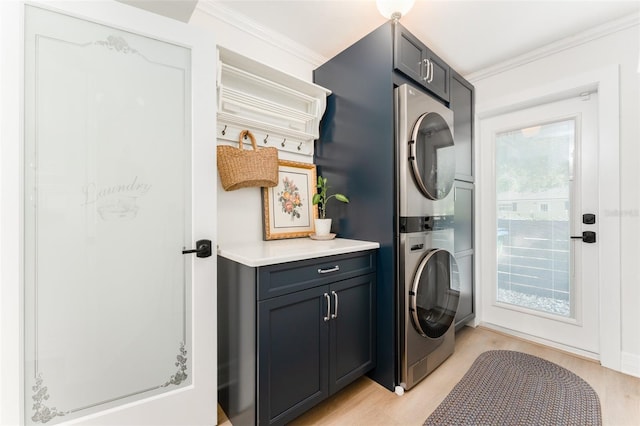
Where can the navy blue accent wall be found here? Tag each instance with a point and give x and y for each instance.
(356, 153)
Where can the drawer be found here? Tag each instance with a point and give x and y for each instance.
(283, 278)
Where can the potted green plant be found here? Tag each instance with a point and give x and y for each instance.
(323, 225)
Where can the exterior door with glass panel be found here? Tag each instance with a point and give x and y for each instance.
(545, 181)
(119, 179)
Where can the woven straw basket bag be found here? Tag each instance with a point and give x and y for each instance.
(242, 168)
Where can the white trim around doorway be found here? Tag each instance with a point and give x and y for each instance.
(606, 82)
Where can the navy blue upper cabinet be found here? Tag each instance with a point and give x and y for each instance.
(416, 61)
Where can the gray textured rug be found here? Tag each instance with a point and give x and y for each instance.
(514, 388)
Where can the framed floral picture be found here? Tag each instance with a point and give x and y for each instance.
(288, 210)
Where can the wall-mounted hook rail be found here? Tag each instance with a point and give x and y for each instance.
(229, 133)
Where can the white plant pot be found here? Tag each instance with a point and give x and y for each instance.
(323, 227)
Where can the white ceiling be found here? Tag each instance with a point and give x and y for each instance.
(176, 9)
(470, 35)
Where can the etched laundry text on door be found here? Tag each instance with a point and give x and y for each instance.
(118, 201)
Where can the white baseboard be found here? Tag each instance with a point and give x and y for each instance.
(630, 364)
(544, 342)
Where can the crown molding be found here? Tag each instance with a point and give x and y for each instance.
(253, 28)
(558, 46)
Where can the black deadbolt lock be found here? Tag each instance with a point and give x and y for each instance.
(203, 248)
(588, 218)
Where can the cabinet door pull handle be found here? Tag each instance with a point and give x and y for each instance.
(326, 271)
(431, 73)
(328, 316)
(335, 307)
(427, 70)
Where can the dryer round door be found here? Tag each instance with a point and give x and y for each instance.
(434, 295)
(432, 156)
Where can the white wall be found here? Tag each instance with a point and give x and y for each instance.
(623, 48)
(240, 211)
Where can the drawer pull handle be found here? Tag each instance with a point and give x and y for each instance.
(326, 271)
(335, 306)
(328, 316)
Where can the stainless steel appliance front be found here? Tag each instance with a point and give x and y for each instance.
(428, 282)
(426, 154)
(429, 294)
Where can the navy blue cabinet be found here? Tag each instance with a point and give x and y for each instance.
(292, 334)
(464, 250)
(356, 152)
(293, 358)
(462, 101)
(418, 62)
(352, 337)
(463, 224)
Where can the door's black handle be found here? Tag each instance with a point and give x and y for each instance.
(203, 249)
(586, 237)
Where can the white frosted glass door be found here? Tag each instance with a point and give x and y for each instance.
(107, 211)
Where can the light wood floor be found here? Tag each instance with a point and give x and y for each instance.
(365, 402)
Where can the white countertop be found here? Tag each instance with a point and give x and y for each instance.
(262, 253)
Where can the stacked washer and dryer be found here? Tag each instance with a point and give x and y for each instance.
(389, 146)
(428, 287)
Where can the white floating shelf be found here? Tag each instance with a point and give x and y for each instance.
(279, 109)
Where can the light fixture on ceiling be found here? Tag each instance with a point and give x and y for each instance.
(394, 9)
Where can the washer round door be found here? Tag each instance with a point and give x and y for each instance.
(432, 156)
(434, 295)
